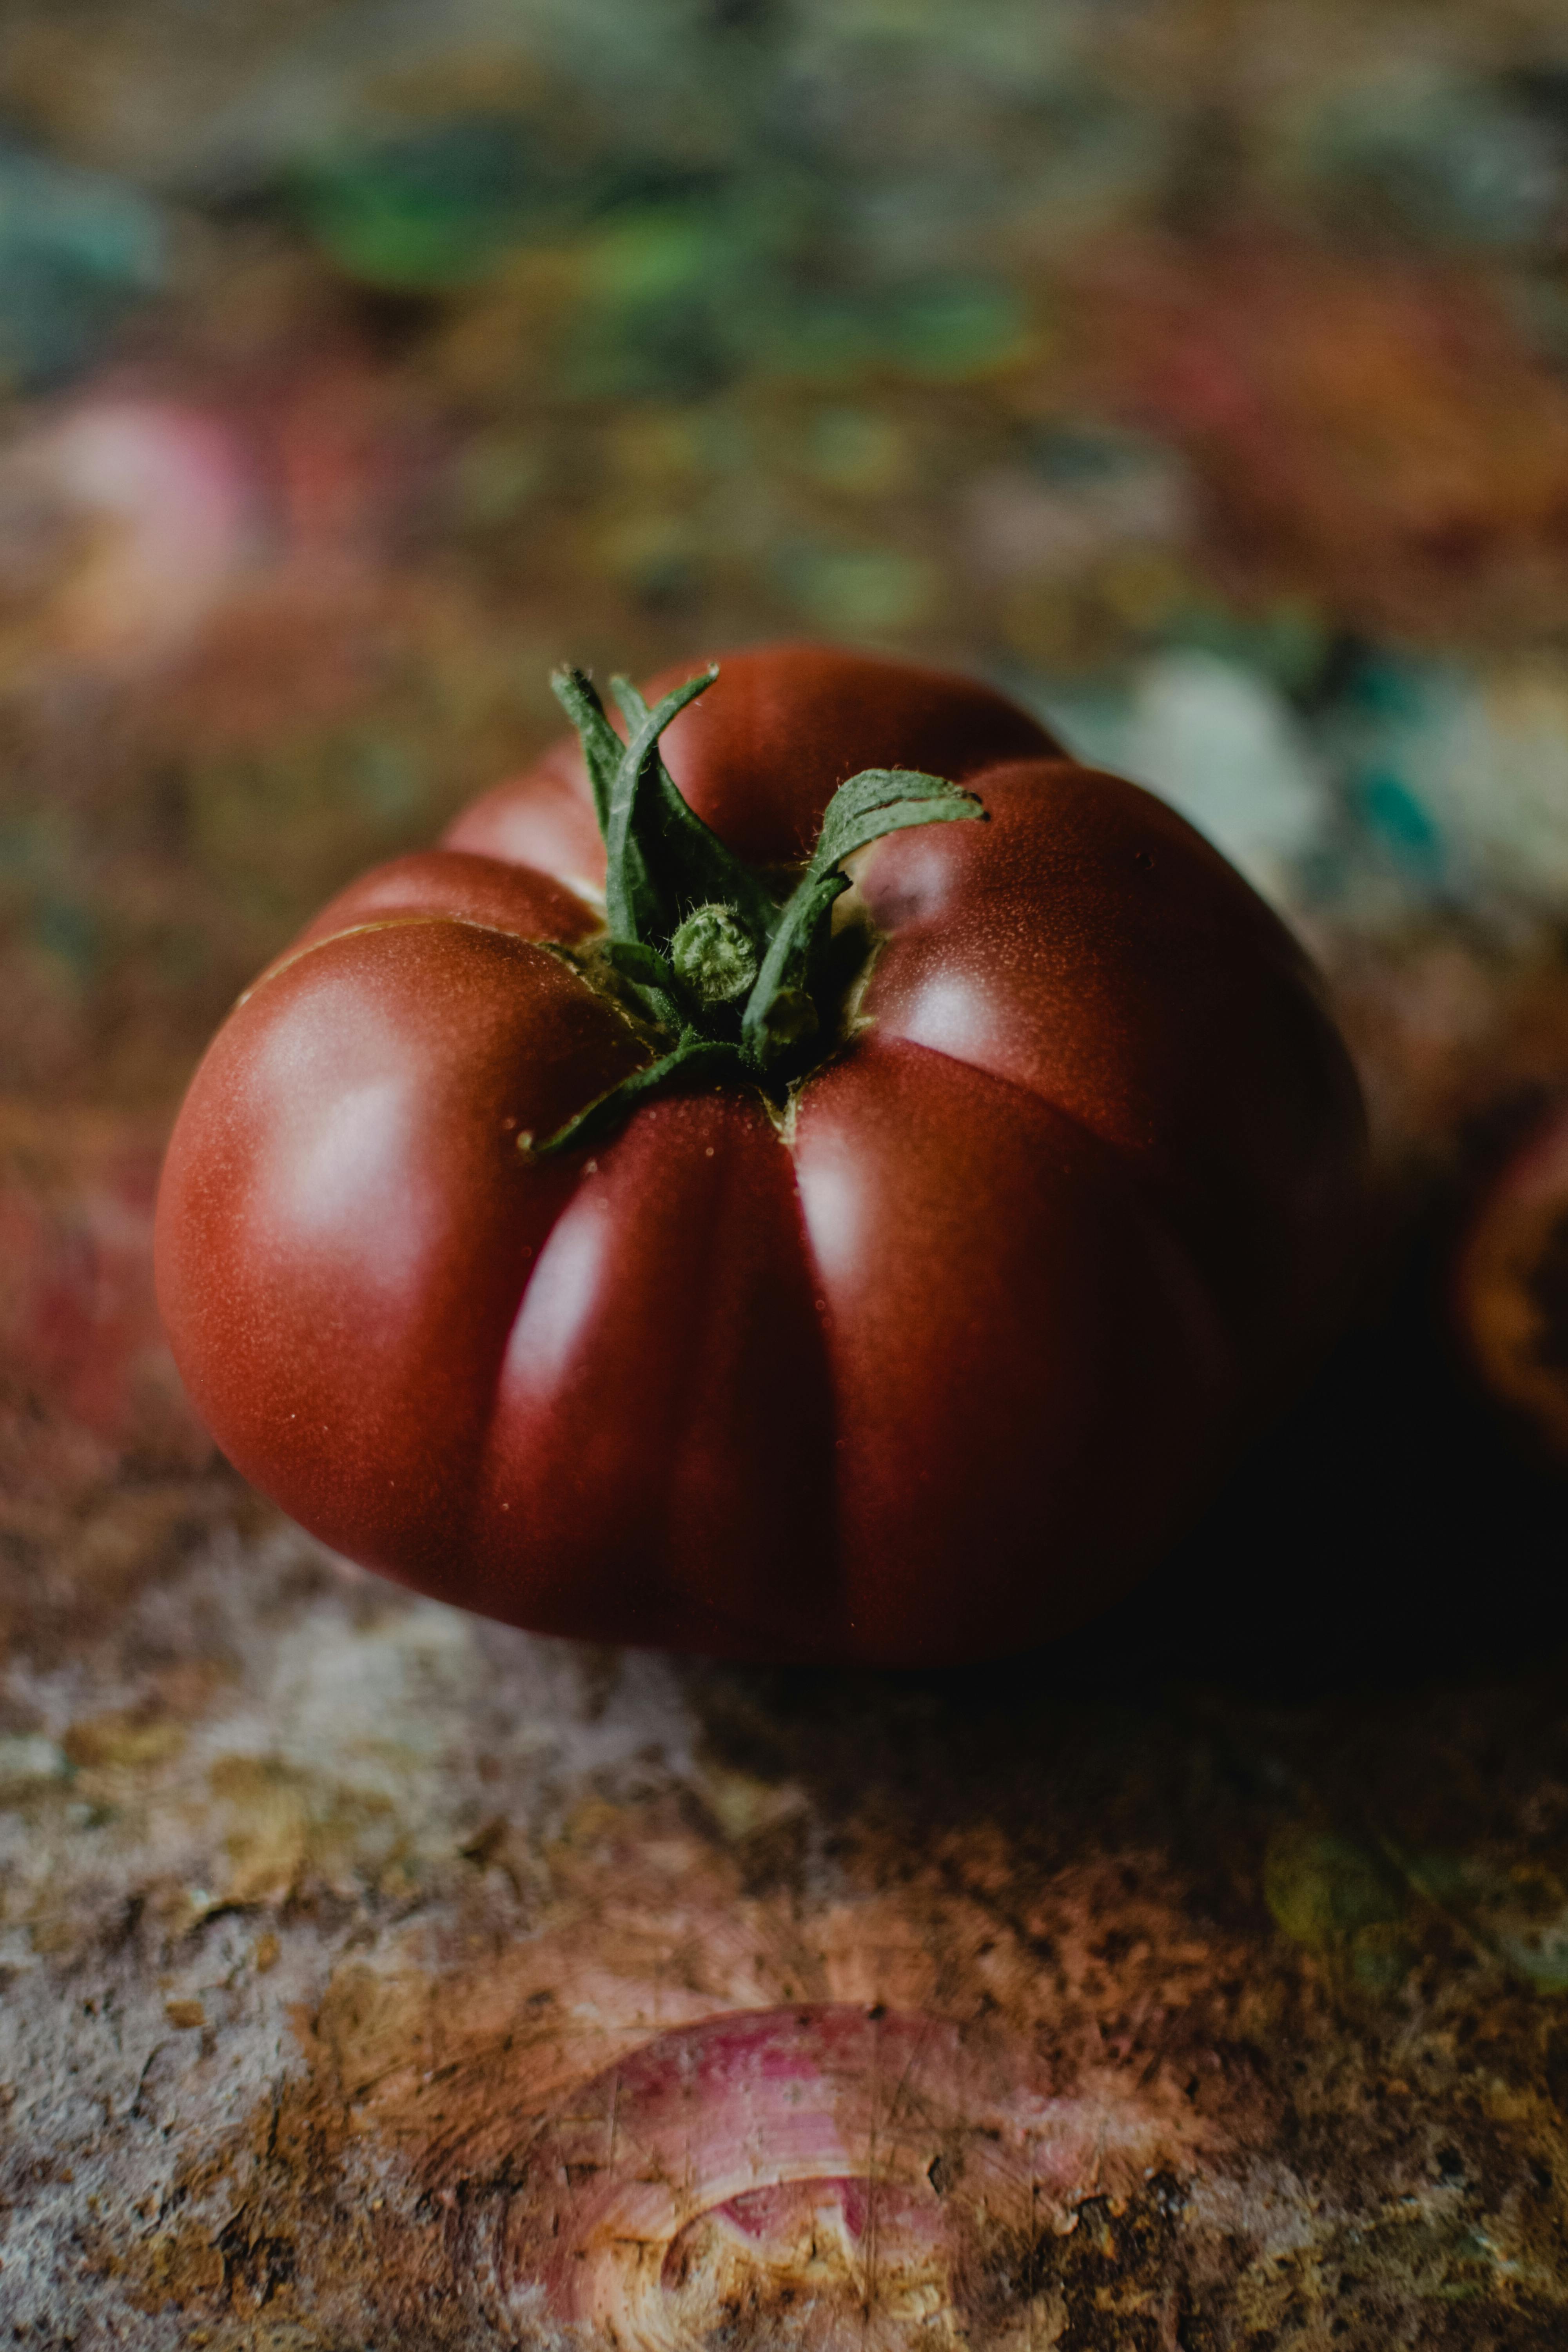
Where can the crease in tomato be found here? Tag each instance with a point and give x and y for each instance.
(737, 984)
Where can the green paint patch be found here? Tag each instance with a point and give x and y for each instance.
(1444, 2257)
(1394, 814)
(854, 449)
(849, 589)
(957, 327)
(1287, 643)
(435, 209)
(1326, 1892)
(1518, 1915)
(653, 253)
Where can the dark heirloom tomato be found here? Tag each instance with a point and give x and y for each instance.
(897, 1309)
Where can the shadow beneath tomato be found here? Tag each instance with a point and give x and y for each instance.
(1394, 1530)
(1390, 1540)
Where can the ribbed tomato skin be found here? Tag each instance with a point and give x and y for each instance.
(927, 1369)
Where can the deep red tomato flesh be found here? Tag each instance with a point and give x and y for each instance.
(924, 1364)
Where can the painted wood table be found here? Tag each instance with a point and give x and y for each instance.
(374, 1975)
(375, 1980)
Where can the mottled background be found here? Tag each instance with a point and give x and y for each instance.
(1197, 370)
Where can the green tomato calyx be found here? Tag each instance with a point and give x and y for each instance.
(738, 980)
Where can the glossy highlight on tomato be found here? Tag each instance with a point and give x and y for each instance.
(911, 1338)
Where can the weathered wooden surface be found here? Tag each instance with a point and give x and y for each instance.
(375, 1975)
(1200, 1986)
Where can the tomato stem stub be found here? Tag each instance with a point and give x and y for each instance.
(714, 954)
(734, 980)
